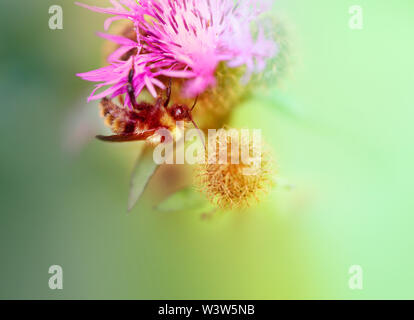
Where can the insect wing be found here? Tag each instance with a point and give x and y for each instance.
(127, 137)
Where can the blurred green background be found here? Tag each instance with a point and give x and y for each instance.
(346, 144)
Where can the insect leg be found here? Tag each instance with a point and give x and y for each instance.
(167, 102)
(130, 88)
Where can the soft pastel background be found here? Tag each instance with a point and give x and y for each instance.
(345, 143)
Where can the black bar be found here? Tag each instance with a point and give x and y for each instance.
(206, 309)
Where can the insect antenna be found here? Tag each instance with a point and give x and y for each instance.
(199, 133)
(195, 102)
(195, 124)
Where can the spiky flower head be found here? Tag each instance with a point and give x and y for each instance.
(184, 39)
(226, 178)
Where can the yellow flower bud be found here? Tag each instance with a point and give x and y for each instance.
(234, 183)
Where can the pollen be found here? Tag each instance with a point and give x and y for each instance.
(234, 184)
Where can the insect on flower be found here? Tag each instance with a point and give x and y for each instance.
(143, 121)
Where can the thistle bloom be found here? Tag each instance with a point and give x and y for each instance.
(234, 184)
(181, 39)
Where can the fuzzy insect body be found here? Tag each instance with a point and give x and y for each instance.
(142, 122)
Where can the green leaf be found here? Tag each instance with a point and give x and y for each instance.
(144, 169)
(185, 200)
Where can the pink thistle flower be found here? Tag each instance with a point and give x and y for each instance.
(182, 39)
